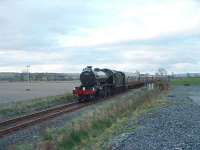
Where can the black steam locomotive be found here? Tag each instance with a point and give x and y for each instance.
(105, 82)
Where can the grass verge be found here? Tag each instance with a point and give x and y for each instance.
(186, 81)
(29, 106)
(94, 129)
(124, 125)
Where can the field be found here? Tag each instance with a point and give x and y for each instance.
(16, 91)
(186, 81)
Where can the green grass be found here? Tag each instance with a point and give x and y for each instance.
(78, 137)
(186, 81)
(29, 106)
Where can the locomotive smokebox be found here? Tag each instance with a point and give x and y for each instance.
(87, 77)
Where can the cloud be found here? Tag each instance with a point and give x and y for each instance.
(34, 24)
(186, 67)
(34, 68)
(65, 36)
(25, 57)
(137, 22)
(16, 61)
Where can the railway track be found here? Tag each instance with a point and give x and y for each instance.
(19, 123)
(10, 126)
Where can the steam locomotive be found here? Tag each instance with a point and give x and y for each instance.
(105, 82)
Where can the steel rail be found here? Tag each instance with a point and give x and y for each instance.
(12, 125)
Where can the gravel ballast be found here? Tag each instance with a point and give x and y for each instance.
(175, 127)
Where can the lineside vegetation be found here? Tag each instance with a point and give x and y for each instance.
(93, 129)
(24, 107)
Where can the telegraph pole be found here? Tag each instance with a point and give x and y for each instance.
(28, 81)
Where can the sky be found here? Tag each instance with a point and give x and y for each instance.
(127, 35)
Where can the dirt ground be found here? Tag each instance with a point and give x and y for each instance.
(16, 91)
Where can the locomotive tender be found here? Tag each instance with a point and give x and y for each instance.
(105, 82)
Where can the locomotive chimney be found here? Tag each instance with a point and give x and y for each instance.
(89, 67)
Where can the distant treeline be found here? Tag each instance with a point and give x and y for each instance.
(186, 75)
(38, 76)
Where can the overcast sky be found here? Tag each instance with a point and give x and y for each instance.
(127, 35)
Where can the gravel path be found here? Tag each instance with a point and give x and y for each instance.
(175, 127)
